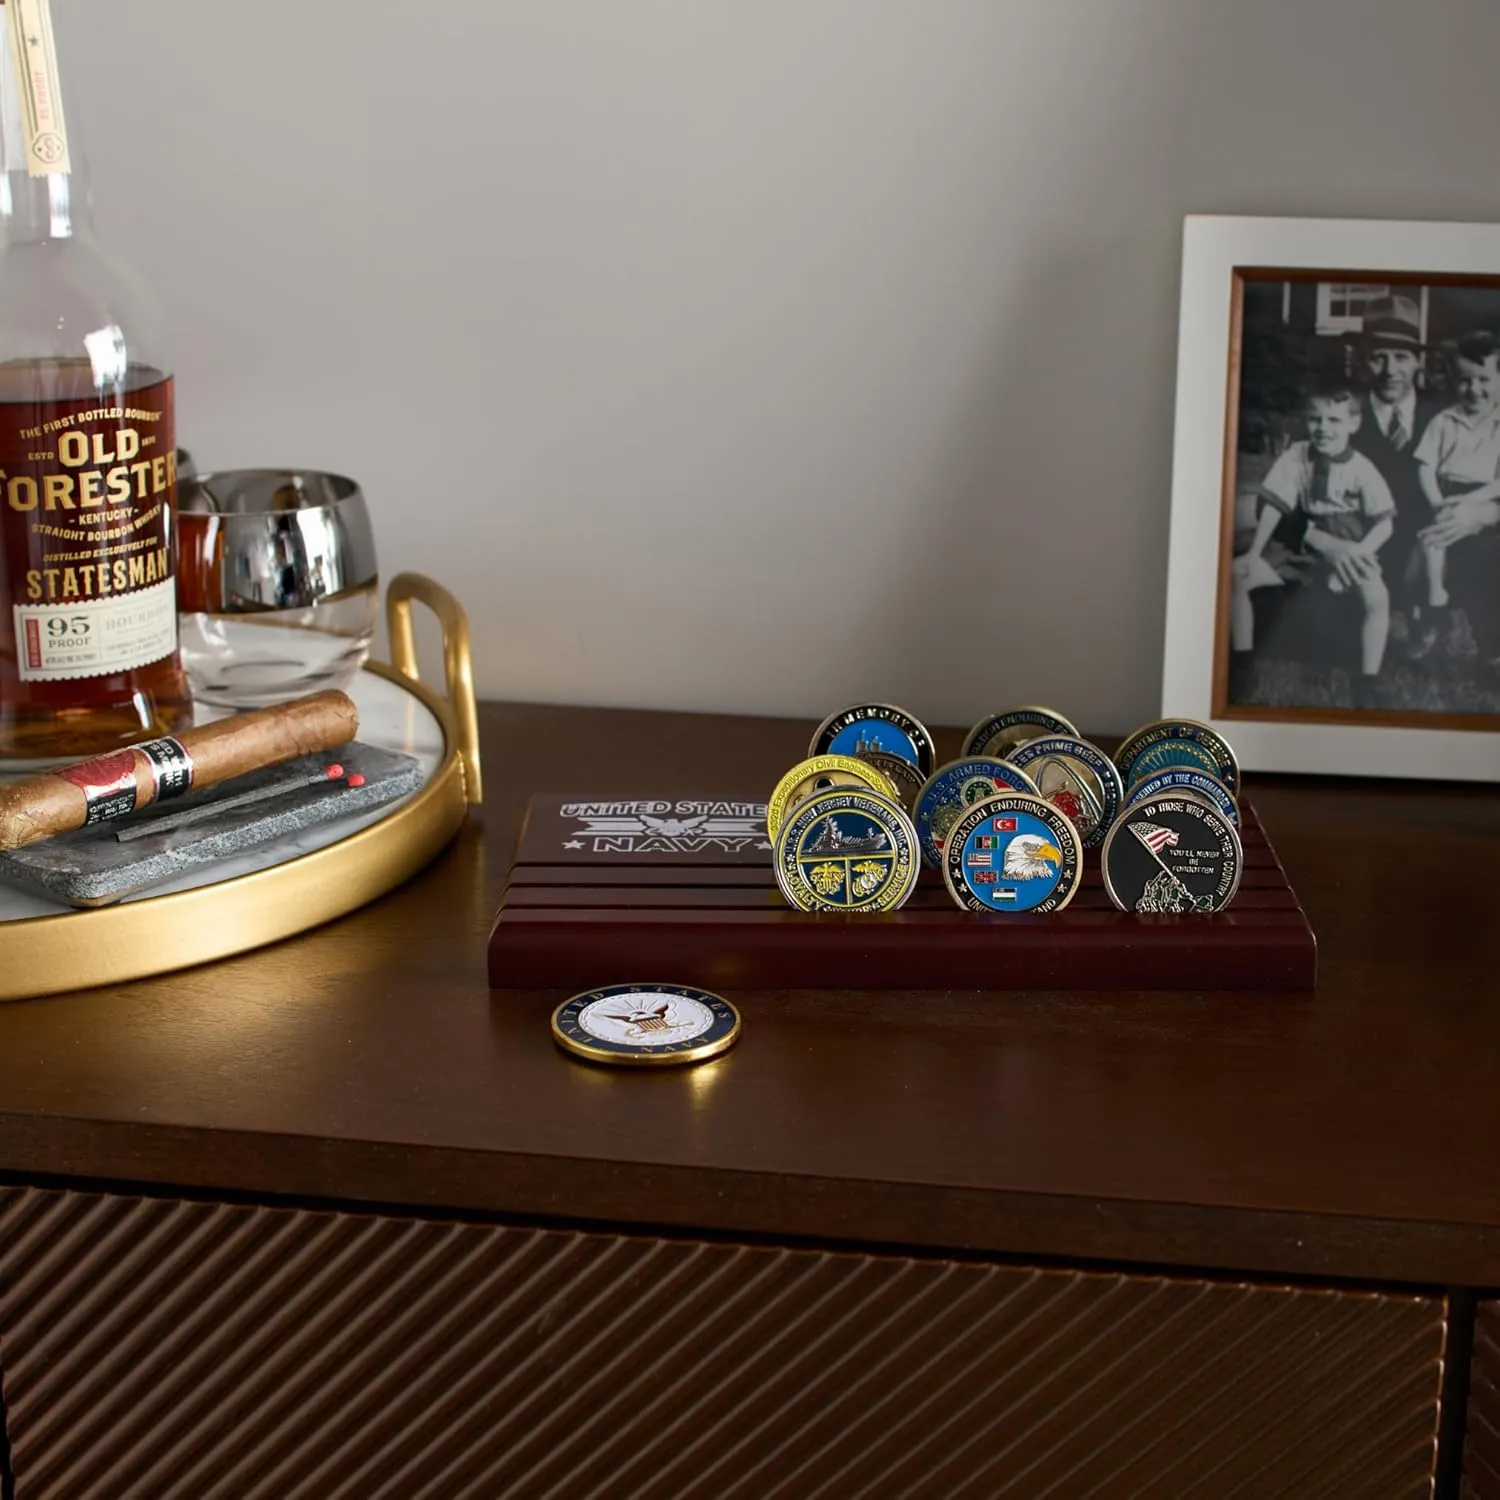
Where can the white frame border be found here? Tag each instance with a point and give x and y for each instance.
(1213, 249)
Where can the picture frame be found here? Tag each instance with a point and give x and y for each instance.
(1283, 358)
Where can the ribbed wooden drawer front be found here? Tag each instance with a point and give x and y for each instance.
(162, 1349)
(1482, 1428)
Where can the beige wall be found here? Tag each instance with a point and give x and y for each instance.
(751, 354)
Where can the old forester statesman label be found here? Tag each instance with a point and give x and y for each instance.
(86, 495)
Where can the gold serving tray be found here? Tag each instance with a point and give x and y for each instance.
(75, 950)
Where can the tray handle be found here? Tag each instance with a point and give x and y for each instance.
(458, 664)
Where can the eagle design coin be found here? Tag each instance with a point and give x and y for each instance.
(1172, 854)
(1015, 853)
(1182, 781)
(1077, 778)
(952, 788)
(646, 1024)
(847, 851)
(999, 733)
(822, 774)
(1170, 743)
(877, 727)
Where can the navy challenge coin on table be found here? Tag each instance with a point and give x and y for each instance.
(847, 851)
(952, 788)
(1170, 744)
(1013, 853)
(998, 734)
(1077, 778)
(1184, 781)
(876, 728)
(1172, 854)
(636, 1025)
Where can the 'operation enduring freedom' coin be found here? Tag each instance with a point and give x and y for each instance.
(822, 774)
(1172, 854)
(998, 734)
(646, 1024)
(1013, 852)
(847, 851)
(877, 727)
(1178, 742)
(952, 788)
(1076, 777)
(1185, 782)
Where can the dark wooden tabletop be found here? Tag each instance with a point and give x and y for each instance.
(1352, 1132)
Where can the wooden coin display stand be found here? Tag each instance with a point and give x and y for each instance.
(605, 892)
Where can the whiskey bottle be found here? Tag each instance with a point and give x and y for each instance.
(88, 488)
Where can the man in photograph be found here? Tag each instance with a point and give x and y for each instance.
(1396, 414)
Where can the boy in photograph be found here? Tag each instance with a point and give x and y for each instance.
(1459, 455)
(1345, 514)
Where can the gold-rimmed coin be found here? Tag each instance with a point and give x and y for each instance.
(997, 734)
(822, 773)
(646, 1025)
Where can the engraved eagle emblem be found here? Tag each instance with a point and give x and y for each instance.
(672, 828)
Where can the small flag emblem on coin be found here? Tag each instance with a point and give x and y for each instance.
(979, 860)
(1154, 836)
(1004, 825)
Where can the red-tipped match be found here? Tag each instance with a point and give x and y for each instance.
(334, 771)
(356, 780)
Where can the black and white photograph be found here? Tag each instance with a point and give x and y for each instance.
(1364, 576)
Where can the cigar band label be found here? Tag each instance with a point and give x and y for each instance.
(108, 783)
(171, 765)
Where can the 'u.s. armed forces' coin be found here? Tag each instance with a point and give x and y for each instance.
(646, 1024)
(1168, 743)
(999, 733)
(1172, 854)
(900, 772)
(847, 851)
(1014, 853)
(1077, 778)
(952, 788)
(822, 774)
(1184, 781)
(875, 727)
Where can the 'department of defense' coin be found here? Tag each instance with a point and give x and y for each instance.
(958, 785)
(1077, 778)
(876, 727)
(847, 851)
(1169, 743)
(822, 774)
(901, 773)
(1172, 854)
(999, 733)
(1184, 781)
(646, 1024)
(1013, 852)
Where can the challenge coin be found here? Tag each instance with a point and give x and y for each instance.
(1013, 853)
(999, 733)
(847, 851)
(1077, 778)
(634, 1025)
(1183, 781)
(952, 788)
(901, 773)
(877, 727)
(1169, 743)
(1172, 854)
(822, 774)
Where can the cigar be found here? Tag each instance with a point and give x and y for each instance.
(124, 781)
